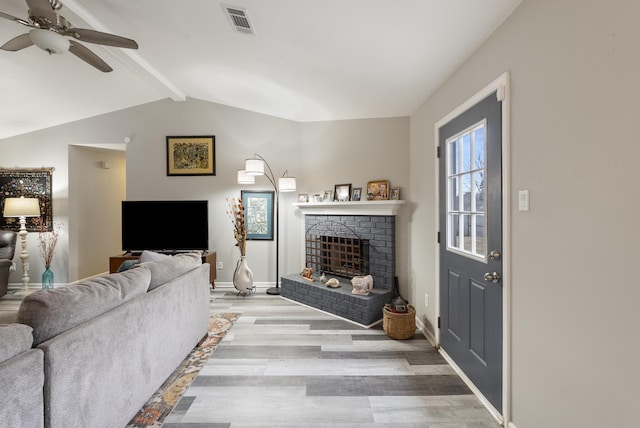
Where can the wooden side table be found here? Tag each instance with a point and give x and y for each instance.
(208, 257)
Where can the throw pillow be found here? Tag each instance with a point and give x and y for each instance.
(169, 268)
(126, 265)
(150, 256)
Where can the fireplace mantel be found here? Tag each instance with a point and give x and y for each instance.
(350, 208)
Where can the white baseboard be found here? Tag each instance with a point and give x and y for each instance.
(258, 285)
(494, 412)
(428, 334)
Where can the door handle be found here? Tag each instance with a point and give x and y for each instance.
(492, 277)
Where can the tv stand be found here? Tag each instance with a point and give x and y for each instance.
(207, 257)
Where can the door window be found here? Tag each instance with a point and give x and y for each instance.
(466, 219)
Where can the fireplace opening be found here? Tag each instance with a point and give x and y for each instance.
(337, 255)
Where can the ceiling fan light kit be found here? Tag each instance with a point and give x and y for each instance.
(49, 41)
(52, 33)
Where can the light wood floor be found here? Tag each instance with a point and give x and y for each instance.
(285, 365)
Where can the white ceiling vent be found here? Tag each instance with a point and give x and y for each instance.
(239, 18)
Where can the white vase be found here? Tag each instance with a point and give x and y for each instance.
(243, 277)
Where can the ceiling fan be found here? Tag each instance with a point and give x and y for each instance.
(54, 34)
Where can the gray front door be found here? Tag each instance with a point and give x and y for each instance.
(470, 218)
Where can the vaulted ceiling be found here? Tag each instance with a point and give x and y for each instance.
(307, 60)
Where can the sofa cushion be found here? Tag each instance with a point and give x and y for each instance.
(51, 312)
(14, 339)
(165, 268)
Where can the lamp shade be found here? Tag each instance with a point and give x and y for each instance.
(254, 166)
(49, 41)
(244, 178)
(287, 184)
(21, 207)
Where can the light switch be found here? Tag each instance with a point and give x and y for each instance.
(523, 200)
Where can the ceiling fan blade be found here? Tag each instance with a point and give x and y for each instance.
(89, 57)
(17, 43)
(16, 19)
(100, 38)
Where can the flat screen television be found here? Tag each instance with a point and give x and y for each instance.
(165, 226)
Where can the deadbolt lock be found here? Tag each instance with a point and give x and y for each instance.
(494, 255)
(492, 277)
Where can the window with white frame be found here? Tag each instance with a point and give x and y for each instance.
(466, 193)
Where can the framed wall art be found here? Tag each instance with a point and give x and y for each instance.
(303, 197)
(342, 192)
(30, 183)
(378, 190)
(258, 214)
(191, 155)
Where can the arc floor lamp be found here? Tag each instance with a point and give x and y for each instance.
(254, 167)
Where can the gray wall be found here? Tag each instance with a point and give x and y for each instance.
(239, 134)
(356, 152)
(320, 155)
(574, 68)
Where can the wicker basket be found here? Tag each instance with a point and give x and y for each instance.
(399, 325)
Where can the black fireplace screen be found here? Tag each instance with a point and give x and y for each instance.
(342, 256)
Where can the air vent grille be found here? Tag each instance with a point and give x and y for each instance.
(238, 18)
(235, 12)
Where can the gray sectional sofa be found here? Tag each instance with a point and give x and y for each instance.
(91, 354)
(21, 378)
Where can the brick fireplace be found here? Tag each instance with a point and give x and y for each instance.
(345, 239)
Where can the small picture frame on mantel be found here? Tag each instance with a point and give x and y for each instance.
(395, 193)
(342, 192)
(356, 194)
(378, 190)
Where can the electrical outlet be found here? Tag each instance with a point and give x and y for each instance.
(426, 300)
(219, 265)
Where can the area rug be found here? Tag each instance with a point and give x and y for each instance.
(160, 405)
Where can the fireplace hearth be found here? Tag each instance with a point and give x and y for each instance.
(344, 246)
(365, 310)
